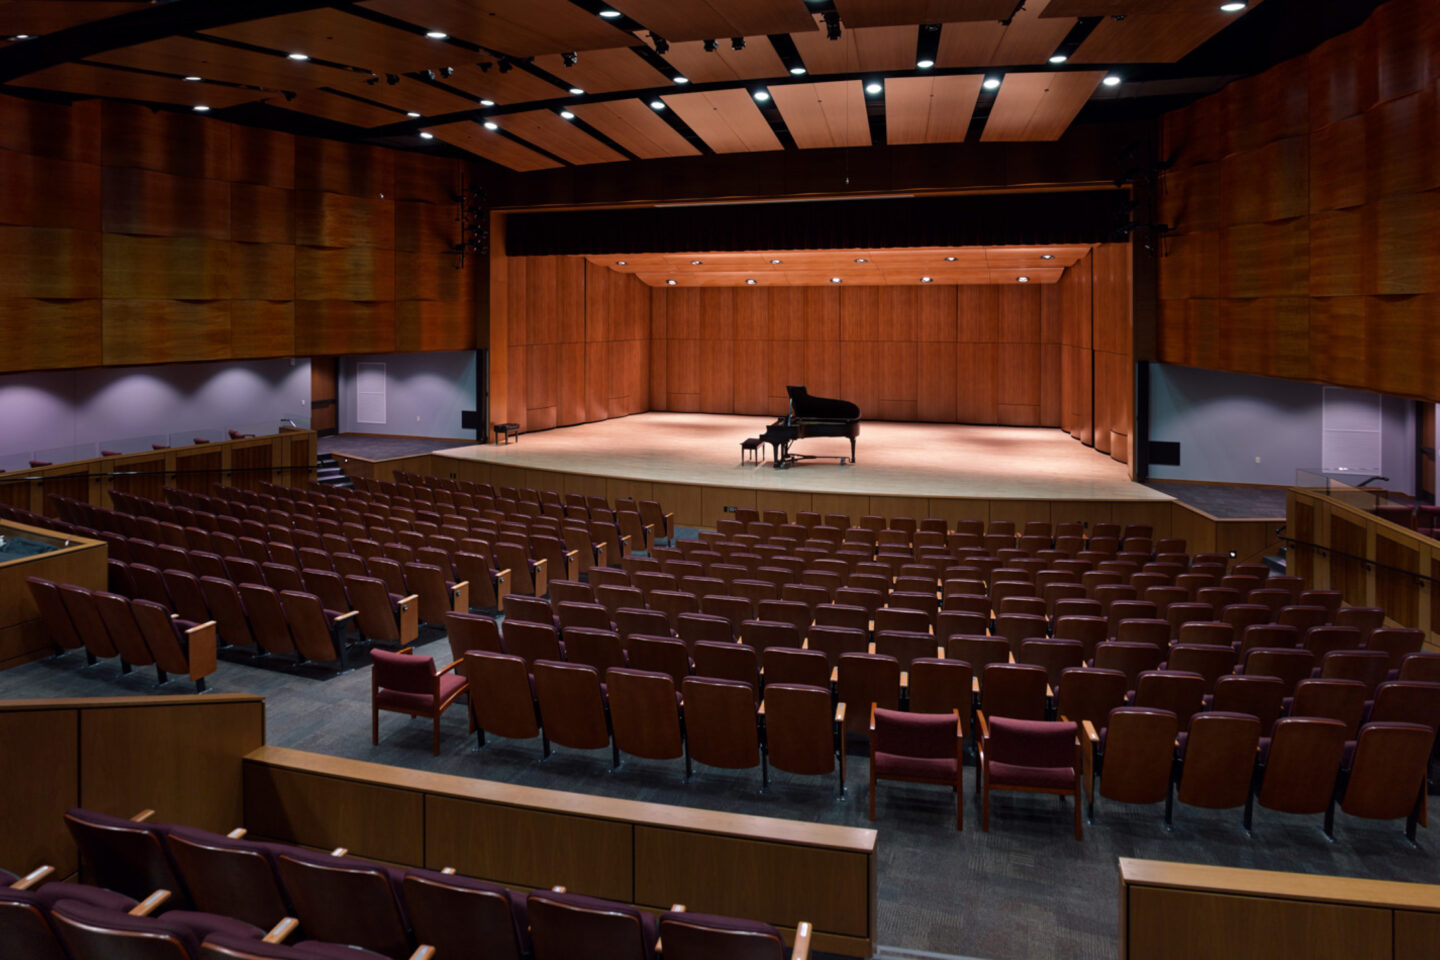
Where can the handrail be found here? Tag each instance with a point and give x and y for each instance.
(1369, 562)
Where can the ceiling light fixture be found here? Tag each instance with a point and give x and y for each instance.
(874, 87)
(610, 14)
(924, 64)
(991, 83)
(751, 281)
(201, 108)
(1047, 256)
(671, 283)
(709, 46)
(1231, 7)
(487, 103)
(576, 92)
(491, 125)
(834, 279)
(412, 114)
(1058, 58)
(662, 46)
(426, 135)
(761, 95)
(570, 58)
(194, 79)
(1022, 279)
(737, 44)
(832, 24)
(681, 79)
(299, 57)
(657, 104)
(566, 115)
(1111, 81)
(437, 34)
(797, 71)
(21, 36)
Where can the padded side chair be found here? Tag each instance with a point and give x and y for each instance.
(1031, 756)
(918, 748)
(408, 684)
(699, 936)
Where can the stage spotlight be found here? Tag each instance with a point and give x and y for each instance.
(737, 44)
(662, 46)
(504, 65)
(447, 72)
(709, 46)
(832, 25)
(569, 59)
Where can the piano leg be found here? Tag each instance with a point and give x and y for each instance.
(852, 449)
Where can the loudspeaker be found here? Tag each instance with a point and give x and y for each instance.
(1164, 453)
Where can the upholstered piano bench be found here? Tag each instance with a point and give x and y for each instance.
(752, 449)
(504, 431)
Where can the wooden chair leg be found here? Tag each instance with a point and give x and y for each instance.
(374, 726)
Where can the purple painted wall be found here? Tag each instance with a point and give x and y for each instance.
(72, 414)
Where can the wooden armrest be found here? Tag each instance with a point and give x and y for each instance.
(406, 601)
(870, 647)
(207, 625)
(801, 949)
(423, 952)
(974, 684)
(570, 554)
(32, 878)
(150, 904)
(462, 585)
(940, 653)
(649, 527)
(281, 930)
(1009, 657)
(143, 815)
(872, 718)
(448, 871)
(761, 710)
(448, 667)
(1090, 733)
(537, 564)
(668, 518)
(984, 724)
(904, 679)
(677, 908)
(405, 651)
(339, 851)
(237, 834)
(347, 616)
(1049, 693)
(502, 575)
(959, 725)
(840, 713)
(834, 674)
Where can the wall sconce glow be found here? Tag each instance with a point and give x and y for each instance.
(622, 263)
(751, 282)
(437, 35)
(1047, 256)
(1022, 279)
(1111, 81)
(861, 260)
(696, 263)
(991, 83)
(671, 283)
(299, 57)
(834, 279)
(951, 259)
(776, 262)
(491, 125)
(927, 279)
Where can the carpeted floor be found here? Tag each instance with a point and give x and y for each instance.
(1226, 500)
(1024, 891)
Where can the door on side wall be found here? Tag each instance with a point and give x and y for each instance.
(324, 380)
(1425, 455)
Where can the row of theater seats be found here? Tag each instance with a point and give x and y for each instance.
(388, 910)
(1422, 518)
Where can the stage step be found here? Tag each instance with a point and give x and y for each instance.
(328, 471)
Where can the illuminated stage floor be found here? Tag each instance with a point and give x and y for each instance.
(894, 459)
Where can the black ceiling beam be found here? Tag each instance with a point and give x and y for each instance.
(142, 26)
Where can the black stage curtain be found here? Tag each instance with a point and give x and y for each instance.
(1090, 216)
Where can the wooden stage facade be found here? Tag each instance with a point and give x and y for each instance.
(691, 464)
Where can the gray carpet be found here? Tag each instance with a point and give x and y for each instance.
(383, 448)
(1226, 500)
(1024, 891)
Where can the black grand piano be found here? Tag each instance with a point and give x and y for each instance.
(811, 417)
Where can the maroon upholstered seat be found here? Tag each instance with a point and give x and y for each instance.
(918, 747)
(91, 932)
(1035, 756)
(405, 683)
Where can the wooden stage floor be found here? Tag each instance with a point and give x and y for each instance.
(894, 459)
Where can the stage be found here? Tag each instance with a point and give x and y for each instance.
(894, 459)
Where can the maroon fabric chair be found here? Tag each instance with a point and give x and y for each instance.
(1030, 756)
(90, 932)
(409, 684)
(699, 936)
(918, 748)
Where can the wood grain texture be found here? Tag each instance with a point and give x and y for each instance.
(727, 120)
(637, 128)
(45, 745)
(929, 109)
(371, 820)
(824, 114)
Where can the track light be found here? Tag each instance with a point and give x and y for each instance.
(737, 44)
(569, 59)
(709, 46)
(504, 65)
(391, 79)
(832, 25)
(447, 72)
(370, 81)
(662, 46)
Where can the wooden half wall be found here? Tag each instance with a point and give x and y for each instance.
(760, 868)
(1305, 202)
(23, 636)
(132, 236)
(179, 756)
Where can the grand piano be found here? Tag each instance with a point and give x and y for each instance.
(811, 417)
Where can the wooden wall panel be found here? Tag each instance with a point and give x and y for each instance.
(1330, 167)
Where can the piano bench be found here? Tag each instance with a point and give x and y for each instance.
(753, 447)
(505, 431)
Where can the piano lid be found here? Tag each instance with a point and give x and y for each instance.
(805, 407)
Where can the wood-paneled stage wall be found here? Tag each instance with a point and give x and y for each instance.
(1305, 202)
(138, 237)
(573, 342)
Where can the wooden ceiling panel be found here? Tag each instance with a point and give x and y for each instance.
(929, 109)
(716, 19)
(1160, 37)
(39, 17)
(1027, 40)
(195, 56)
(1125, 8)
(548, 131)
(885, 13)
(727, 120)
(636, 127)
(492, 146)
(519, 29)
(332, 106)
(409, 95)
(97, 81)
(515, 86)
(758, 61)
(1039, 106)
(858, 51)
(605, 71)
(824, 114)
(330, 34)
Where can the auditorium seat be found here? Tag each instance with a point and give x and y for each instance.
(229, 874)
(1370, 667)
(1342, 700)
(721, 722)
(392, 622)
(232, 623)
(644, 713)
(1031, 756)
(502, 697)
(573, 710)
(1326, 638)
(1014, 690)
(175, 645)
(1181, 693)
(863, 679)
(463, 917)
(1217, 761)
(1397, 642)
(1138, 746)
(25, 927)
(833, 641)
(341, 899)
(319, 635)
(1386, 779)
(89, 932)
(471, 631)
(80, 606)
(1366, 618)
(1131, 659)
(567, 925)
(659, 654)
(127, 856)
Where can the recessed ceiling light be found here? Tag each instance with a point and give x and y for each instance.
(194, 79)
(437, 34)
(411, 114)
(1059, 58)
(299, 56)
(991, 83)
(610, 14)
(681, 79)
(925, 64)
(775, 261)
(751, 282)
(1022, 279)
(874, 87)
(761, 95)
(491, 125)
(21, 36)
(201, 108)
(834, 279)
(1111, 81)
(671, 283)
(426, 135)
(487, 103)
(576, 91)
(861, 260)
(927, 279)
(622, 263)
(797, 71)
(1047, 256)
(657, 104)
(566, 115)
(1231, 7)
(951, 259)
